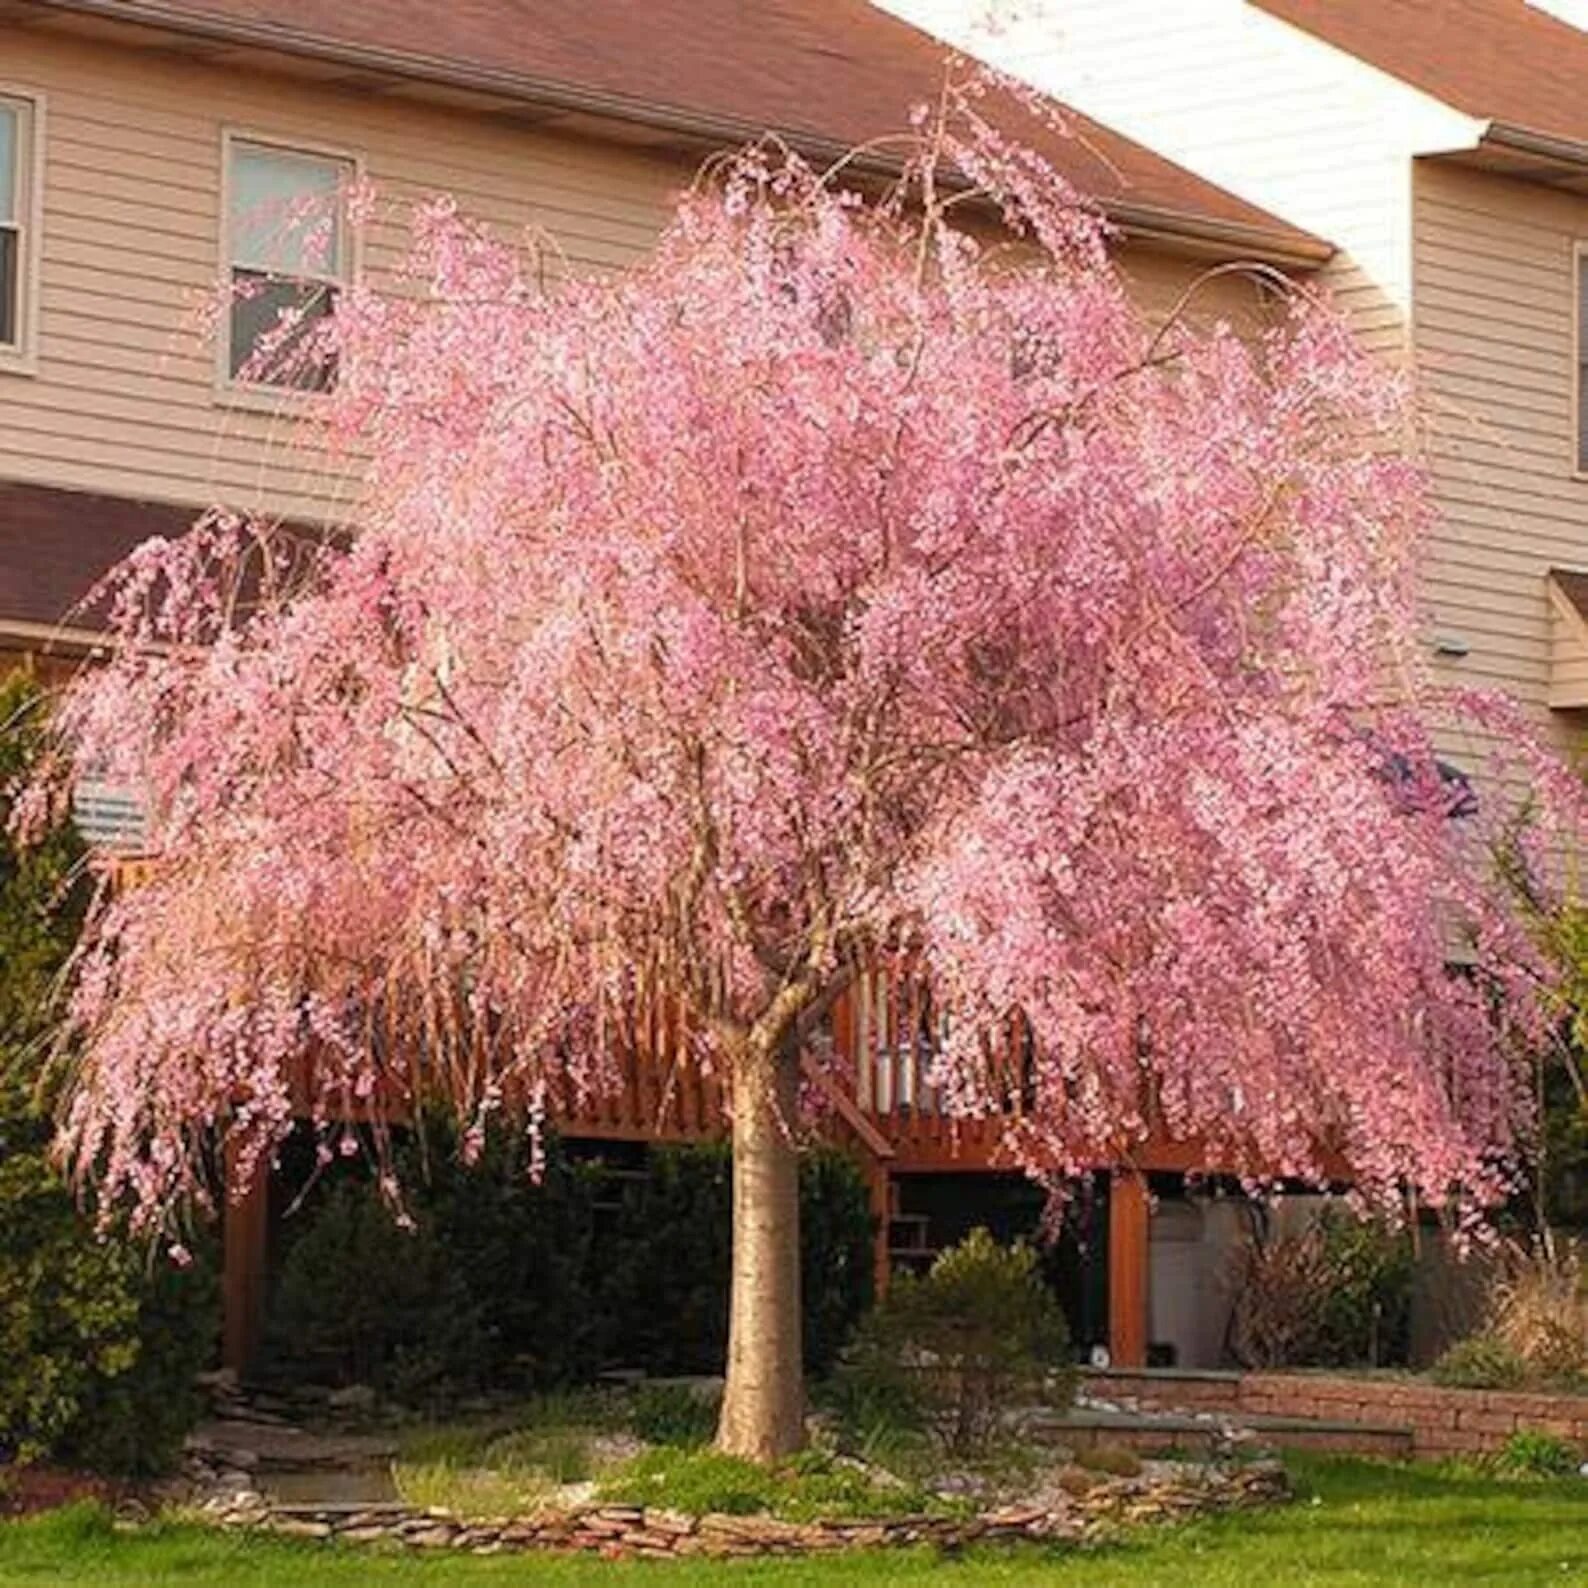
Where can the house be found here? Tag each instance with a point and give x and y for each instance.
(1442, 145)
(134, 136)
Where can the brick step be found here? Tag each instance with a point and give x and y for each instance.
(1389, 1440)
(1085, 1427)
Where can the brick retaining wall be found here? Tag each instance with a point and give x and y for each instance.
(1442, 1422)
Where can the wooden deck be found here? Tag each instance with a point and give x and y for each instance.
(872, 1092)
(872, 1085)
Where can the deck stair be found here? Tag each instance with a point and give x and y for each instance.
(908, 1242)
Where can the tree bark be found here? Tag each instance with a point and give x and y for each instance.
(763, 1406)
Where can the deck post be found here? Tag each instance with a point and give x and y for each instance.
(244, 1222)
(1127, 1269)
(880, 1184)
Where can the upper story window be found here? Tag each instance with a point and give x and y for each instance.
(287, 253)
(18, 220)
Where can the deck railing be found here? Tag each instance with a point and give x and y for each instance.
(878, 1085)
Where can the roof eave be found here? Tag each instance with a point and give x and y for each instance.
(1510, 137)
(1222, 239)
(1183, 230)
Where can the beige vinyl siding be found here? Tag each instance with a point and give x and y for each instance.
(1163, 283)
(1493, 329)
(124, 400)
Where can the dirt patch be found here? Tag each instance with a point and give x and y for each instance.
(25, 1491)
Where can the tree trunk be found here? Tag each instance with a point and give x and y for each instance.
(763, 1407)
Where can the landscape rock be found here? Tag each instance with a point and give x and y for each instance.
(222, 1481)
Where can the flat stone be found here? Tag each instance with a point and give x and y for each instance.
(374, 1534)
(431, 1538)
(292, 1527)
(671, 1522)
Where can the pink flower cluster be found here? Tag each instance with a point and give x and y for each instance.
(830, 584)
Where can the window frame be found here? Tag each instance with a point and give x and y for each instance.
(1579, 359)
(230, 391)
(21, 356)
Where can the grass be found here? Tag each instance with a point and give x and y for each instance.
(701, 1480)
(1362, 1524)
(505, 1464)
(509, 1462)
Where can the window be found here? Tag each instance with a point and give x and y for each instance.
(287, 254)
(1581, 355)
(17, 196)
(108, 815)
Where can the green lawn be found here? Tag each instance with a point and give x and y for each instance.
(1357, 1523)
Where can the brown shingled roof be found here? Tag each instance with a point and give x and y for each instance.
(841, 72)
(59, 543)
(1502, 60)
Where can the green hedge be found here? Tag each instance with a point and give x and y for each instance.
(100, 1339)
(507, 1283)
(666, 1269)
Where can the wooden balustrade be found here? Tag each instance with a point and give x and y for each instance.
(878, 1088)
(878, 1092)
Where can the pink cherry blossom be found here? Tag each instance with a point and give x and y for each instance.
(831, 585)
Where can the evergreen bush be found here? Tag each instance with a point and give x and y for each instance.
(100, 1338)
(1481, 1361)
(508, 1283)
(966, 1348)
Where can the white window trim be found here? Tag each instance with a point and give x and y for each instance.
(258, 395)
(23, 357)
(1579, 265)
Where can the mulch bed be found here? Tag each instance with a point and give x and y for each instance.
(25, 1491)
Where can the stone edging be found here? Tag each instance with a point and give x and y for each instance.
(615, 1530)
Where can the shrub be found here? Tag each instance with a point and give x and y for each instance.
(673, 1414)
(133, 1423)
(1537, 1328)
(1540, 1310)
(493, 1284)
(1366, 1309)
(520, 1285)
(1481, 1361)
(360, 1299)
(99, 1338)
(666, 1262)
(836, 1254)
(523, 1251)
(1276, 1282)
(966, 1347)
(1334, 1294)
(1531, 1454)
